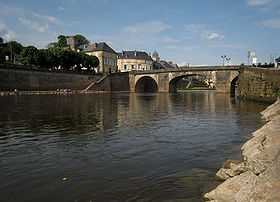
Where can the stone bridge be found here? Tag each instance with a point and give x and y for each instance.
(222, 78)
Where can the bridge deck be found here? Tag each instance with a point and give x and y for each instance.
(190, 69)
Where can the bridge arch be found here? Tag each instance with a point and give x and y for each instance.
(146, 84)
(174, 81)
(234, 86)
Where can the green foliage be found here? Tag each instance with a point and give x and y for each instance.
(52, 45)
(1, 40)
(15, 47)
(56, 56)
(61, 41)
(11, 49)
(4, 51)
(277, 93)
(30, 56)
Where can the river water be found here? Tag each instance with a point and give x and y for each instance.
(119, 147)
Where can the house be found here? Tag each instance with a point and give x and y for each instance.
(164, 65)
(71, 42)
(156, 56)
(108, 58)
(134, 60)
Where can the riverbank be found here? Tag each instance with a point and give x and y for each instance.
(57, 92)
(256, 177)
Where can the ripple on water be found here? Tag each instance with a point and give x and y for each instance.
(119, 147)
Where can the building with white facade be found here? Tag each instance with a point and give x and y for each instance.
(134, 61)
(106, 55)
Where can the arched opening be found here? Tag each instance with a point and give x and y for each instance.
(234, 87)
(190, 82)
(146, 85)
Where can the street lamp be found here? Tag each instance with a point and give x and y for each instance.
(223, 57)
(228, 59)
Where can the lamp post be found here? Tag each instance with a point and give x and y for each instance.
(223, 57)
(228, 60)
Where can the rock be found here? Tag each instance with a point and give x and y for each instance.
(271, 111)
(231, 169)
(227, 191)
(223, 174)
(260, 152)
(228, 163)
(257, 178)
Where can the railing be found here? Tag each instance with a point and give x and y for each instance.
(94, 83)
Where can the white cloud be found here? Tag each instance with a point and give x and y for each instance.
(213, 36)
(203, 32)
(33, 20)
(195, 28)
(33, 24)
(258, 2)
(38, 22)
(31, 27)
(147, 27)
(271, 23)
(6, 33)
(47, 18)
(169, 40)
(60, 8)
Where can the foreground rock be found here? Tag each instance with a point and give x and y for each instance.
(257, 177)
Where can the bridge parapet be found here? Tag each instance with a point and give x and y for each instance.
(195, 68)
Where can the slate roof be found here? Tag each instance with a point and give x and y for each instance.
(139, 55)
(102, 46)
(164, 65)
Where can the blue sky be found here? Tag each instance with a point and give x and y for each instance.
(185, 31)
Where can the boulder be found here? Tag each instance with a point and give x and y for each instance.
(257, 178)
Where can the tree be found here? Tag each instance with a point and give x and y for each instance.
(11, 49)
(94, 61)
(30, 56)
(61, 41)
(1, 40)
(3, 53)
(15, 47)
(89, 61)
(52, 45)
(46, 59)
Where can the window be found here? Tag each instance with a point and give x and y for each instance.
(139, 67)
(125, 67)
(132, 67)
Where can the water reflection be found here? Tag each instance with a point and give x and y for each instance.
(118, 147)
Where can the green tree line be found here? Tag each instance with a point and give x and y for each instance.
(53, 58)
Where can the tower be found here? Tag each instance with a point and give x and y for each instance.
(155, 56)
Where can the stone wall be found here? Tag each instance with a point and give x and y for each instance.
(259, 84)
(113, 82)
(34, 80)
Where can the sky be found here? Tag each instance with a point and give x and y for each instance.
(194, 32)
